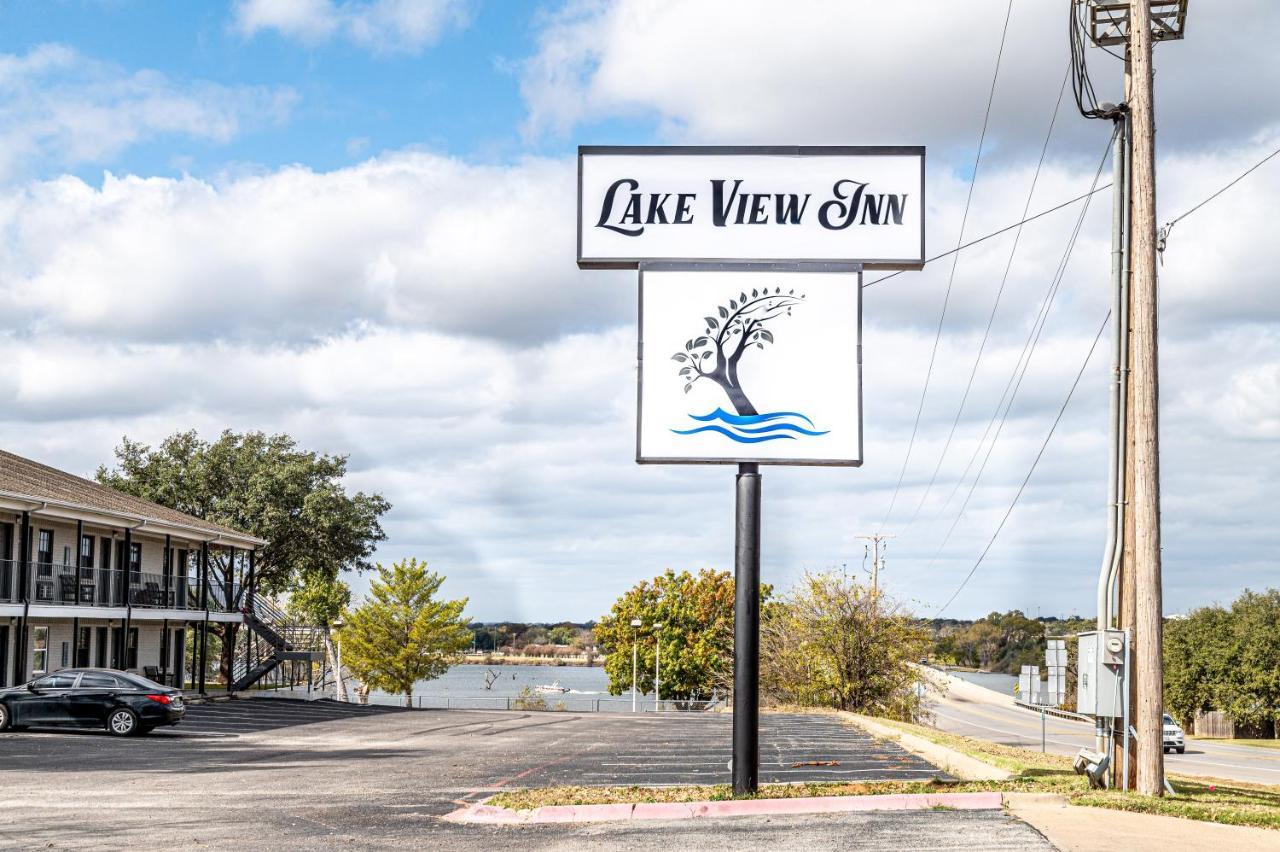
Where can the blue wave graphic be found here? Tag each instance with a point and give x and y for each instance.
(745, 419)
(754, 428)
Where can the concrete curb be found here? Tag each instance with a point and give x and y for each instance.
(949, 760)
(490, 815)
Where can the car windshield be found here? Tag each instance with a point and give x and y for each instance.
(1168, 720)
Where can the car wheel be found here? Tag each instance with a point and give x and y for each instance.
(1182, 750)
(122, 722)
(4, 718)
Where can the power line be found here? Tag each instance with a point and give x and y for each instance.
(1016, 378)
(995, 306)
(1164, 232)
(1081, 84)
(994, 234)
(1062, 410)
(955, 259)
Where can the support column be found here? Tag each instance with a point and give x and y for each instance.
(126, 563)
(204, 653)
(79, 563)
(24, 595)
(229, 579)
(204, 625)
(126, 577)
(165, 651)
(204, 576)
(167, 571)
(746, 632)
(251, 591)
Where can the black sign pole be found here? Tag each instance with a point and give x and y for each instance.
(746, 632)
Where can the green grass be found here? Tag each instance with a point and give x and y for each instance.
(1229, 802)
(1210, 800)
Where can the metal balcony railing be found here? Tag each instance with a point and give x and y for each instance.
(57, 584)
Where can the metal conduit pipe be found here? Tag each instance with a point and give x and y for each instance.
(1121, 506)
(1115, 463)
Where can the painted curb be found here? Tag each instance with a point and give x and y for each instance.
(490, 815)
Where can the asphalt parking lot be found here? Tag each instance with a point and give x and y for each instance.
(265, 773)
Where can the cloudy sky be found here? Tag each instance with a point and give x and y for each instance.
(353, 221)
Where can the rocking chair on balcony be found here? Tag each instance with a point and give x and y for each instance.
(67, 589)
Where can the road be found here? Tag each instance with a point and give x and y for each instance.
(966, 710)
(270, 774)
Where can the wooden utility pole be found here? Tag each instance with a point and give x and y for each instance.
(1147, 659)
(876, 560)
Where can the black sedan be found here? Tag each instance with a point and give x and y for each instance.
(122, 703)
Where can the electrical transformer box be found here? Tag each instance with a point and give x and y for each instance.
(1101, 685)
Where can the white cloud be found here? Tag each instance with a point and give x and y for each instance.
(409, 239)
(63, 109)
(383, 26)
(908, 72)
(423, 314)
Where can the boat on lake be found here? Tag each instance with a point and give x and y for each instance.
(553, 688)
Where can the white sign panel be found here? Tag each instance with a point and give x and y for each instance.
(829, 204)
(750, 364)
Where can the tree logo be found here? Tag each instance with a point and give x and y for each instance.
(716, 355)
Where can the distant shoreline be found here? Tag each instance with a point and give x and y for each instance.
(491, 659)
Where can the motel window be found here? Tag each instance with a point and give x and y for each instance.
(44, 554)
(86, 557)
(40, 645)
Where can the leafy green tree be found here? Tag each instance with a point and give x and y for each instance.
(1000, 642)
(265, 486)
(562, 634)
(830, 642)
(1249, 684)
(319, 600)
(696, 633)
(401, 633)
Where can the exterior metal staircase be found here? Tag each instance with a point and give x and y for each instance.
(272, 637)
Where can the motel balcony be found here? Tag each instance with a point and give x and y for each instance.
(54, 584)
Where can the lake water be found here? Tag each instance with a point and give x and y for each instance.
(467, 681)
(587, 685)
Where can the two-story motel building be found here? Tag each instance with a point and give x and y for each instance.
(90, 576)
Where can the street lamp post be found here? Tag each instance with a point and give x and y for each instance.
(635, 659)
(657, 655)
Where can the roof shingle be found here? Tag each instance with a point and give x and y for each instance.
(25, 478)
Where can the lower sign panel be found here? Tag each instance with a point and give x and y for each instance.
(750, 365)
